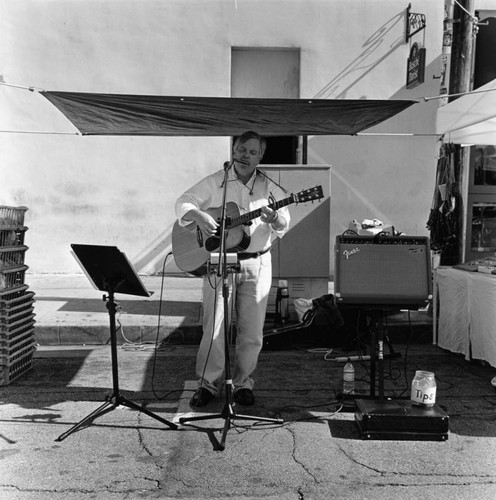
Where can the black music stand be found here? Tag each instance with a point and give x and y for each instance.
(110, 271)
(223, 270)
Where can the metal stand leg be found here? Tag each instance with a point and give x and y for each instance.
(115, 399)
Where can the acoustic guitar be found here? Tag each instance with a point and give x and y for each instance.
(192, 253)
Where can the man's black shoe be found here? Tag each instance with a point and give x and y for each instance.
(244, 397)
(201, 398)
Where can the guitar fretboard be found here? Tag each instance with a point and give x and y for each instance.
(245, 218)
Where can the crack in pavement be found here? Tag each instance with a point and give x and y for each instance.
(295, 459)
(400, 473)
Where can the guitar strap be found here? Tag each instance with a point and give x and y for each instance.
(261, 172)
(272, 180)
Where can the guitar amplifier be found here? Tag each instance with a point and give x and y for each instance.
(383, 270)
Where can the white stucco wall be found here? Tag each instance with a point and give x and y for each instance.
(121, 190)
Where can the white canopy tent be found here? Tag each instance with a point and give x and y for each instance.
(470, 119)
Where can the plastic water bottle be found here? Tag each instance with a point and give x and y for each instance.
(348, 378)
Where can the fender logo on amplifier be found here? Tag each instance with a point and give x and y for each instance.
(347, 253)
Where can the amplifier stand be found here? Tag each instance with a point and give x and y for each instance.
(377, 351)
(378, 337)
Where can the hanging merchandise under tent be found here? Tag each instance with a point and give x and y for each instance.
(148, 115)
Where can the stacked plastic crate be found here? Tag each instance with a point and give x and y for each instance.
(17, 342)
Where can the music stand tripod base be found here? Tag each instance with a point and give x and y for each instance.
(228, 414)
(109, 270)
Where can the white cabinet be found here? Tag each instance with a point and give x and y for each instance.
(303, 255)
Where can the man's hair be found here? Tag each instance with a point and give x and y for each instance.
(246, 136)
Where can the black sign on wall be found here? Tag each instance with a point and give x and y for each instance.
(416, 66)
(485, 62)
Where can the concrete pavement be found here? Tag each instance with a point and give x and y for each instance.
(69, 311)
(316, 453)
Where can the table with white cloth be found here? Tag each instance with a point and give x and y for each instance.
(466, 320)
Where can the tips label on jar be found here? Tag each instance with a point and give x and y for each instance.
(423, 389)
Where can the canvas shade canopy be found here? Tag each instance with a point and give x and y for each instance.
(150, 115)
(470, 119)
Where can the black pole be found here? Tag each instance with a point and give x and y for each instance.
(461, 80)
(111, 307)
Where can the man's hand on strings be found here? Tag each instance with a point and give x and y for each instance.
(268, 215)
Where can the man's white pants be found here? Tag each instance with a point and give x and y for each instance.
(251, 293)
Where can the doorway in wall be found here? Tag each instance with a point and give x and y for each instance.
(270, 72)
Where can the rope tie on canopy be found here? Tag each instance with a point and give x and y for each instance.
(35, 132)
(458, 95)
(31, 89)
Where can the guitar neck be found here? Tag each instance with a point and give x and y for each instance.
(245, 218)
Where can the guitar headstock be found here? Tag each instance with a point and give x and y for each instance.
(314, 193)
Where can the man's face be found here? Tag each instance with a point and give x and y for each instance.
(247, 156)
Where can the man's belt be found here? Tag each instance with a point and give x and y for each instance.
(254, 255)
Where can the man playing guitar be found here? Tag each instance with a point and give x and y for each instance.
(251, 192)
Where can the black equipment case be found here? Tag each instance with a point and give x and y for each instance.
(400, 420)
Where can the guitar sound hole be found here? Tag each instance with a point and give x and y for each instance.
(212, 243)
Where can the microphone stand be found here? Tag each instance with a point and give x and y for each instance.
(228, 413)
